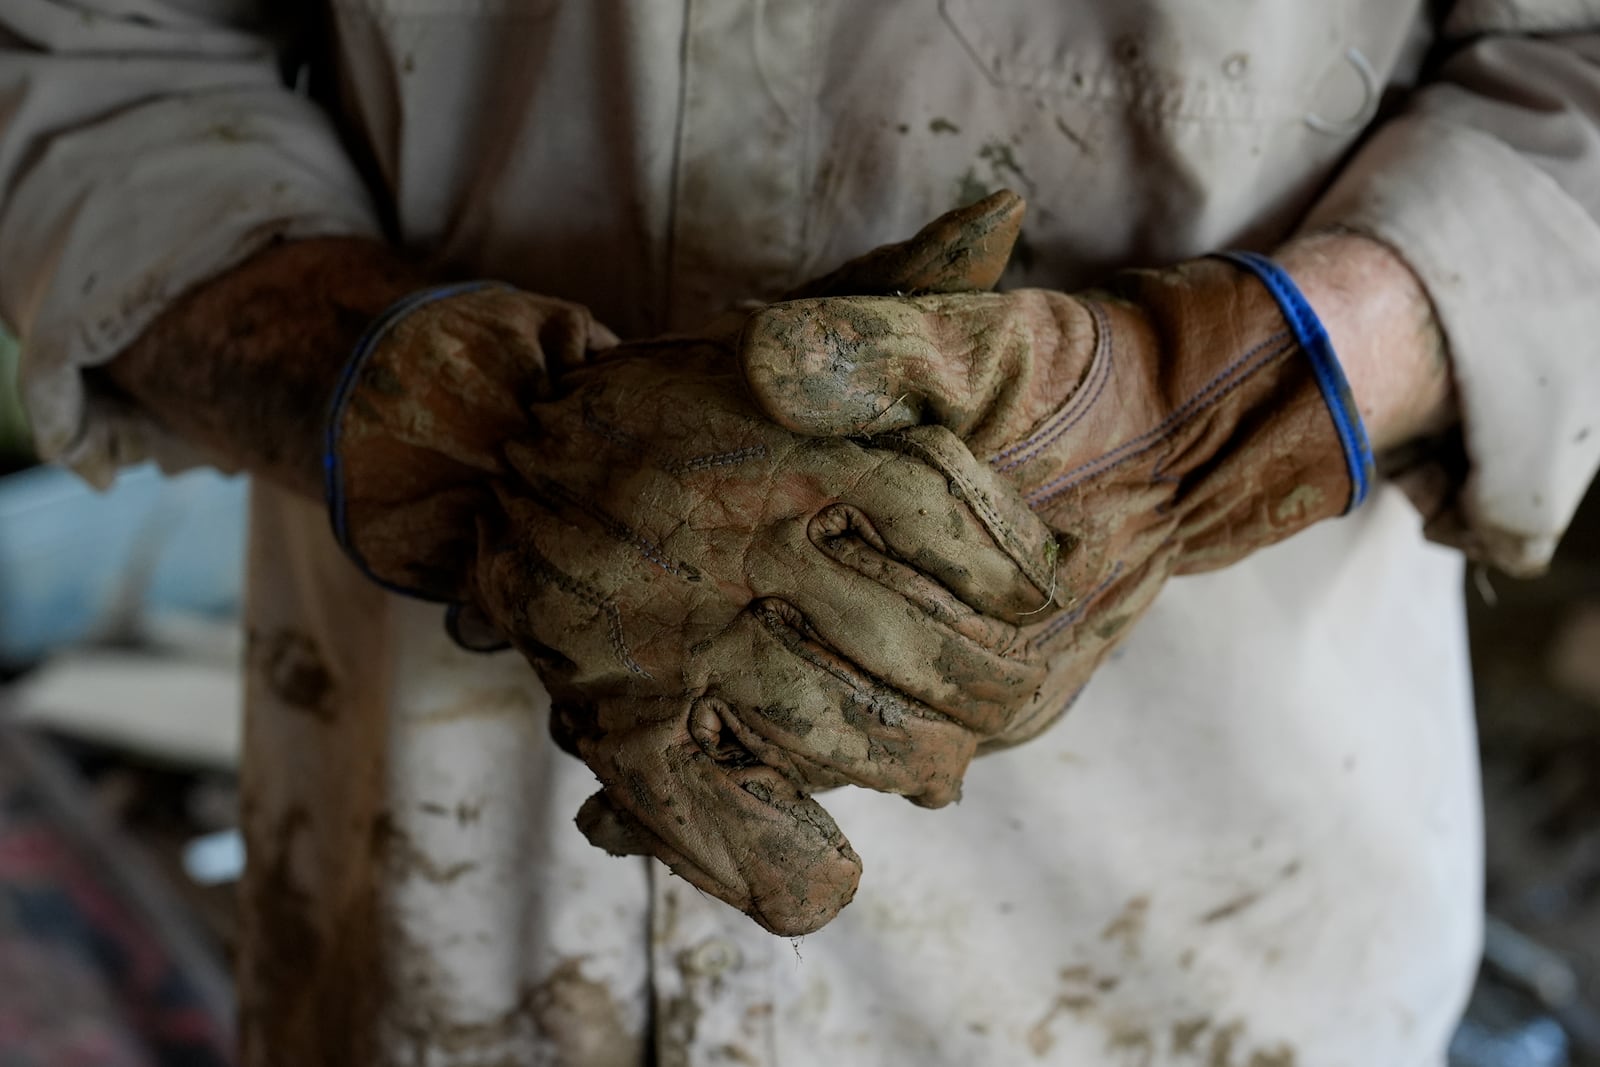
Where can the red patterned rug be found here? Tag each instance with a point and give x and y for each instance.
(83, 983)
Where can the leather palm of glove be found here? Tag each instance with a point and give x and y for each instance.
(727, 614)
(1170, 422)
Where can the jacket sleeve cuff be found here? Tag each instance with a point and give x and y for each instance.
(1510, 262)
(117, 220)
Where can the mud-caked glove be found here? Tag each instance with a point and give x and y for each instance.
(1172, 421)
(727, 614)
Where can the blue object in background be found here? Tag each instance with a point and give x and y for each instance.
(77, 564)
(1537, 1043)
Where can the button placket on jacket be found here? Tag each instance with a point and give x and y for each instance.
(738, 218)
(738, 213)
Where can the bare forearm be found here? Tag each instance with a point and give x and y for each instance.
(244, 365)
(1382, 326)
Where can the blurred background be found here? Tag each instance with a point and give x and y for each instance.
(119, 729)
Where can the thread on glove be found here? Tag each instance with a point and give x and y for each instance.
(785, 622)
(1314, 341)
(650, 551)
(694, 464)
(1061, 622)
(332, 464)
(1079, 405)
(1042, 577)
(1210, 395)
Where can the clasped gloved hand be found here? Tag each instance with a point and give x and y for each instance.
(1170, 422)
(728, 614)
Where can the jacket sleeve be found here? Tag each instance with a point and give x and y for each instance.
(145, 145)
(1488, 184)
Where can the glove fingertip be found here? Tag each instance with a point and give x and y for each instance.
(938, 796)
(824, 870)
(613, 830)
(984, 233)
(828, 892)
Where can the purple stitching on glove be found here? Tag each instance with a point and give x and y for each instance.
(618, 529)
(1073, 412)
(1209, 396)
(711, 460)
(976, 499)
(587, 593)
(1061, 622)
(714, 460)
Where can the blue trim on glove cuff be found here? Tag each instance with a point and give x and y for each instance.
(332, 465)
(1313, 338)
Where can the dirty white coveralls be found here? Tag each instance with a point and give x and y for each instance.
(1255, 842)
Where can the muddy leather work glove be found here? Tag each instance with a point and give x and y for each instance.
(727, 614)
(1170, 422)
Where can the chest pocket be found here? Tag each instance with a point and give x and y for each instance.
(1217, 60)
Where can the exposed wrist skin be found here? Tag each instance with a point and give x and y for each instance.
(1384, 330)
(244, 365)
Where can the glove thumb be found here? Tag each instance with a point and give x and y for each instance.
(832, 361)
(863, 366)
(961, 250)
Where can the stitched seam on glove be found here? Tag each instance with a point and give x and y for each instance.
(709, 461)
(998, 528)
(1061, 622)
(594, 598)
(890, 707)
(1214, 392)
(714, 460)
(648, 549)
(1077, 407)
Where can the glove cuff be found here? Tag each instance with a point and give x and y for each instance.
(415, 428)
(1256, 436)
(1318, 348)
